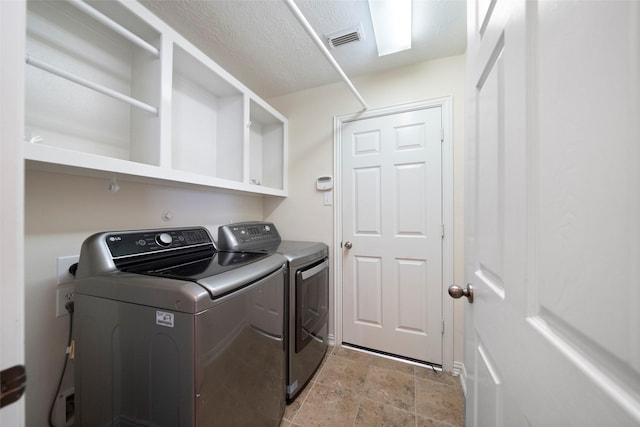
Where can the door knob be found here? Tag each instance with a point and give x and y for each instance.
(457, 292)
(348, 245)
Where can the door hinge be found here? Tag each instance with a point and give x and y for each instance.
(442, 135)
(443, 327)
(13, 382)
(442, 230)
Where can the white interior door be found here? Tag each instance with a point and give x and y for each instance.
(12, 30)
(392, 219)
(552, 207)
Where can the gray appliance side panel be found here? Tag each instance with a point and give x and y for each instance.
(241, 358)
(134, 365)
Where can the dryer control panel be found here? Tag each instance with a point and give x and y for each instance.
(248, 236)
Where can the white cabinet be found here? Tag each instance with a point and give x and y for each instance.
(267, 156)
(111, 89)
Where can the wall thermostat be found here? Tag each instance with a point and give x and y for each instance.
(324, 183)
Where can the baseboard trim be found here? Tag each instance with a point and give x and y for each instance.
(331, 339)
(460, 370)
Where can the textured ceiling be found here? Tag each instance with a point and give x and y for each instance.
(263, 45)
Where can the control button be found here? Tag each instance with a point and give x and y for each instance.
(164, 239)
(267, 228)
(141, 242)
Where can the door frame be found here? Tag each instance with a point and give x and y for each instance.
(12, 319)
(447, 212)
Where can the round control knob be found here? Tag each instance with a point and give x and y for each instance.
(267, 228)
(164, 239)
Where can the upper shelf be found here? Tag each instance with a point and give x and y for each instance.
(111, 88)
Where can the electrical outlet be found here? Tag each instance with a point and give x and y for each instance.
(64, 414)
(64, 262)
(64, 294)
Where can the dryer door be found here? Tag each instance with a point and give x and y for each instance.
(312, 303)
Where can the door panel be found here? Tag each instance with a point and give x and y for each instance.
(489, 391)
(412, 274)
(597, 245)
(367, 206)
(368, 289)
(552, 238)
(392, 277)
(411, 200)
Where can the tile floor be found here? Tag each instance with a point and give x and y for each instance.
(353, 388)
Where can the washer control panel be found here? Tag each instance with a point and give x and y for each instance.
(129, 243)
(246, 236)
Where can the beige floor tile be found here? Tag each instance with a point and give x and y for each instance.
(390, 387)
(438, 376)
(351, 354)
(373, 414)
(352, 388)
(292, 408)
(427, 422)
(327, 407)
(343, 373)
(394, 365)
(439, 401)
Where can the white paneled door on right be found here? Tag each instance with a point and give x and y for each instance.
(552, 207)
(392, 243)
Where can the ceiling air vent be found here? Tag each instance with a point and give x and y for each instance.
(349, 35)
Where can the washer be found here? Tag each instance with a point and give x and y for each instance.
(307, 299)
(169, 331)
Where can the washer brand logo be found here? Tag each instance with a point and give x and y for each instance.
(115, 238)
(164, 319)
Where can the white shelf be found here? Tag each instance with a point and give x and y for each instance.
(207, 120)
(111, 89)
(267, 157)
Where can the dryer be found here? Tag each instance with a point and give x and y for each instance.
(306, 296)
(307, 285)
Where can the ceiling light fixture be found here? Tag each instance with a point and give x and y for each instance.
(391, 24)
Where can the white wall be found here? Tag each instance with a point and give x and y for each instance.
(61, 211)
(302, 216)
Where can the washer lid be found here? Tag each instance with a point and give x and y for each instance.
(219, 274)
(229, 281)
(195, 268)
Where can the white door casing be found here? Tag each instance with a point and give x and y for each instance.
(552, 203)
(12, 30)
(395, 232)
